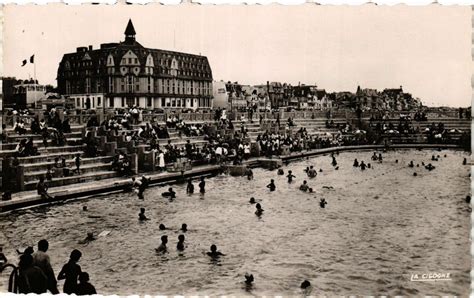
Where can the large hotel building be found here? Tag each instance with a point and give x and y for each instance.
(127, 74)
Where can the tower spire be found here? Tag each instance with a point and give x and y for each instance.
(130, 32)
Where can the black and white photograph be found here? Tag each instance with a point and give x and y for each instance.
(236, 150)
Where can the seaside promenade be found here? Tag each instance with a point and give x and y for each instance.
(97, 177)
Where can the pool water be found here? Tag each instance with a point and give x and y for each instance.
(379, 226)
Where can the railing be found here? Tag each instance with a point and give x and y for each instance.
(79, 117)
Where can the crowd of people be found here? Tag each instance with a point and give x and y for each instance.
(35, 273)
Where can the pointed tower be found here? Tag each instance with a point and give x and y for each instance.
(130, 33)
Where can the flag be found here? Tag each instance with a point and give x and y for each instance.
(32, 59)
(24, 63)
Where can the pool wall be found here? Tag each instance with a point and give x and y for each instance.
(107, 186)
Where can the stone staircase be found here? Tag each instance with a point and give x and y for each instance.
(33, 167)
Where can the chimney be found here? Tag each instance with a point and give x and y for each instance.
(90, 48)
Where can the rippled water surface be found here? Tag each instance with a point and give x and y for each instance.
(380, 226)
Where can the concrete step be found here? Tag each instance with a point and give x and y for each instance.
(94, 176)
(42, 165)
(58, 173)
(47, 150)
(74, 128)
(48, 157)
(16, 137)
(39, 144)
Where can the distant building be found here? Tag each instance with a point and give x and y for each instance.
(20, 94)
(127, 74)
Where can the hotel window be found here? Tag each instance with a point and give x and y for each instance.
(130, 84)
(149, 84)
(173, 102)
(88, 85)
(136, 60)
(148, 102)
(163, 102)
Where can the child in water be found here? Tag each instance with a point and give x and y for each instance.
(304, 186)
(259, 210)
(322, 203)
(184, 228)
(214, 253)
(162, 248)
(280, 172)
(169, 194)
(202, 186)
(190, 187)
(290, 176)
(180, 245)
(141, 215)
(271, 186)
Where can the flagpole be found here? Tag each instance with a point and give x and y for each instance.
(34, 68)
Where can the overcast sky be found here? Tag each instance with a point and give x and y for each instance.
(427, 50)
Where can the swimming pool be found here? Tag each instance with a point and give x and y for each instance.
(380, 226)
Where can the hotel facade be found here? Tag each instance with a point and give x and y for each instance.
(125, 74)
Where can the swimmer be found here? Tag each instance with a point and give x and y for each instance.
(312, 172)
(252, 200)
(280, 172)
(468, 199)
(304, 186)
(320, 170)
(380, 157)
(202, 186)
(422, 163)
(433, 157)
(180, 245)
(141, 215)
(184, 228)
(411, 165)
(249, 279)
(415, 174)
(396, 160)
(84, 208)
(310, 190)
(445, 155)
(249, 174)
(336, 168)
(271, 186)
(362, 165)
(369, 165)
(90, 237)
(169, 194)
(430, 167)
(417, 165)
(306, 170)
(162, 227)
(374, 156)
(322, 203)
(290, 176)
(214, 253)
(190, 187)
(464, 161)
(162, 248)
(259, 211)
(334, 161)
(305, 284)
(356, 163)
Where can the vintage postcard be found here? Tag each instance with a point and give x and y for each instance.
(238, 150)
